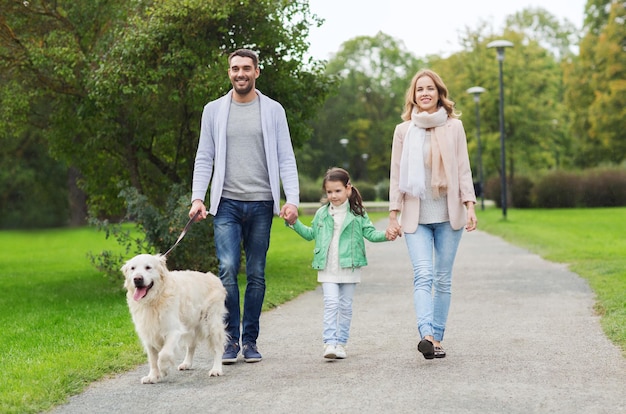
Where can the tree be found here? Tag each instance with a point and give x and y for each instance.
(533, 90)
(595, 86)
(123, 83)
(596, 15)
(372, 76)
(608, 110)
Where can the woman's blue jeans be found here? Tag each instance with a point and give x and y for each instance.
(249, 222)
(432, 249)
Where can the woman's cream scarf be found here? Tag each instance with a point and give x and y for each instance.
(412, 173)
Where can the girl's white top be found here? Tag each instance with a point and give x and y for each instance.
(333, 273)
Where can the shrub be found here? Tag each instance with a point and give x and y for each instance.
(310, 191)
(604, 188)
(521, 189)
(367, 190)
(156, 230)
(492, 190)
(382, 190)
(558, 189)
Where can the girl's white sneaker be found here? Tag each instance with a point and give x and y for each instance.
(340, 352)
(330, 351)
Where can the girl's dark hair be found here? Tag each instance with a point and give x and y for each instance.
(339, 174)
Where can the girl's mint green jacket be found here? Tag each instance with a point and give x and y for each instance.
(351, 245)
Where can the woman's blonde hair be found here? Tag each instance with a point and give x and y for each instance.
(410, 102)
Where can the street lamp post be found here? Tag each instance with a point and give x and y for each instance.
(500, 45)
(476, 91)
(344, 144)
(365, 156)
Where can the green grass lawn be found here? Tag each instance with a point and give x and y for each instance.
(65, 325)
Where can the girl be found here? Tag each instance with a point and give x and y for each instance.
(431, 184)
(338, 228)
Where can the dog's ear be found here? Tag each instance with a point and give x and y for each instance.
(162, 260)
(124, 268)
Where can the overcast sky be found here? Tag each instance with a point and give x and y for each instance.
(426, 26)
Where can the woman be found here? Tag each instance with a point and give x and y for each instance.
(431, 186)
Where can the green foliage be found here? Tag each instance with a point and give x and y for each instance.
(608, 110)
(372, 75)
(28, 176)
(310, 190)
(533, 115)
(34, 191)
(382, 190)
(367, 190)
(155, 230)
(122, 84)
(596, 86)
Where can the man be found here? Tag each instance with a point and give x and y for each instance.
(245, 148)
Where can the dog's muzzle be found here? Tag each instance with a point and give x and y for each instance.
(141, 290)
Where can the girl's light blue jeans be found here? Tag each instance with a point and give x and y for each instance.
(337, 312)
(432, 249)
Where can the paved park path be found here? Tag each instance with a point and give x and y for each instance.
(522, 337)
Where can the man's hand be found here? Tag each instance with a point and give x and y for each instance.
(289, 212)
(196, 206)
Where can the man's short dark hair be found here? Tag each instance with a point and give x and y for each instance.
(245, 53)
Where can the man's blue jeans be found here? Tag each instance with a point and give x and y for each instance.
(249, 222)
(432, 249)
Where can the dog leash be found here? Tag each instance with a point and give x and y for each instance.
(182, 234)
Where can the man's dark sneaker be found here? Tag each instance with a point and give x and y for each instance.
(230, 354)
(250, 353)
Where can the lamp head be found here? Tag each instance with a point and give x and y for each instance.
(500, 45)
(476, 91)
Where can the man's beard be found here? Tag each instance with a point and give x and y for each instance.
(243, 91)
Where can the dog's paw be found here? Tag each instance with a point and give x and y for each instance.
(216, 372)
(184, 366)
(150, 379)
(165, 364)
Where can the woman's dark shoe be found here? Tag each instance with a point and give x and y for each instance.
(439, 352)
(426, 348)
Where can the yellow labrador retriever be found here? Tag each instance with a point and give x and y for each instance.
(172, 309)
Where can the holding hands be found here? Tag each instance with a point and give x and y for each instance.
(289, 213)
(393, 229)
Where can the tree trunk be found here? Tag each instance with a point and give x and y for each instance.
(77, 199)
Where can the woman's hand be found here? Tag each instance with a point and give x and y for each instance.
(393, 228)
(472, 220)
